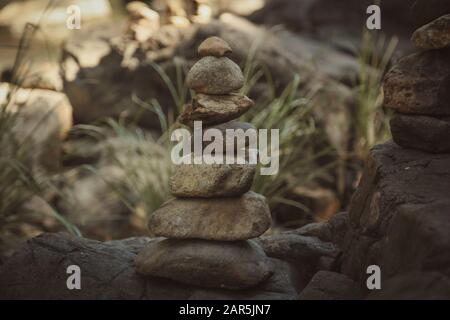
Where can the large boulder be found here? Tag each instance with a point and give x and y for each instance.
(399, 219)
(43, 119)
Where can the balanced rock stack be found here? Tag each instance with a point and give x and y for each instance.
(418, 87)
(207, 227)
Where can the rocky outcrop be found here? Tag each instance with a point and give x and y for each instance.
(417, 89)
(38, 271)
(399, 219)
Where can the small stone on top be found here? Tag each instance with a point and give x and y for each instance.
(214, 46)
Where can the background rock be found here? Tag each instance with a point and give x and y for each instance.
(327, 285)
(44, 119)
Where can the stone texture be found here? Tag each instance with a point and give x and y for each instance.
(292, 246)
(225, 219)
(399, 217)
(326, 285)
(425, 133)
(38, 271)
(434, 35)
(425, 11)
(332, 230)
(210, 264)
(414, 286)
(418, 84)
(211, 180)
(214, 109)
(232, 125)
(214, 46)
(212, 75)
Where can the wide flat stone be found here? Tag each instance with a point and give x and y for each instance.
(421, 132)
(212, 75)
(434, 35)
(210, 264)
(211, 180)
(418, 84)
(215, 109)
(226, 219)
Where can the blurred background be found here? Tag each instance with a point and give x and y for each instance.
(85, 114)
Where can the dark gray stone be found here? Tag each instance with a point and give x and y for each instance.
(425, 133)
(326, 285)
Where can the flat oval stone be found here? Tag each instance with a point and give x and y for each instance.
(418, 84)
(210, 264)
(215, 109)
(211, 180)
(424, 133)
(222, 219)
(434, 35)
(212, 75)
(214, 46)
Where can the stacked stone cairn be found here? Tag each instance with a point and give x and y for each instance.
(206, 229)
(418, 87)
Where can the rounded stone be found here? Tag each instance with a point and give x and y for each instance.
(434, 35)
(215, 109)
(214, 46)
(222, 219)
(210, 264)
(418, 84)
(211, 180)
(212, 75)
(424, 133)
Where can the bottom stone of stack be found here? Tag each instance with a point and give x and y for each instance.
(429, 134)
(210, 264)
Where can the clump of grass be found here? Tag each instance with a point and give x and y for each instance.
(371, 122)
(146, 165)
